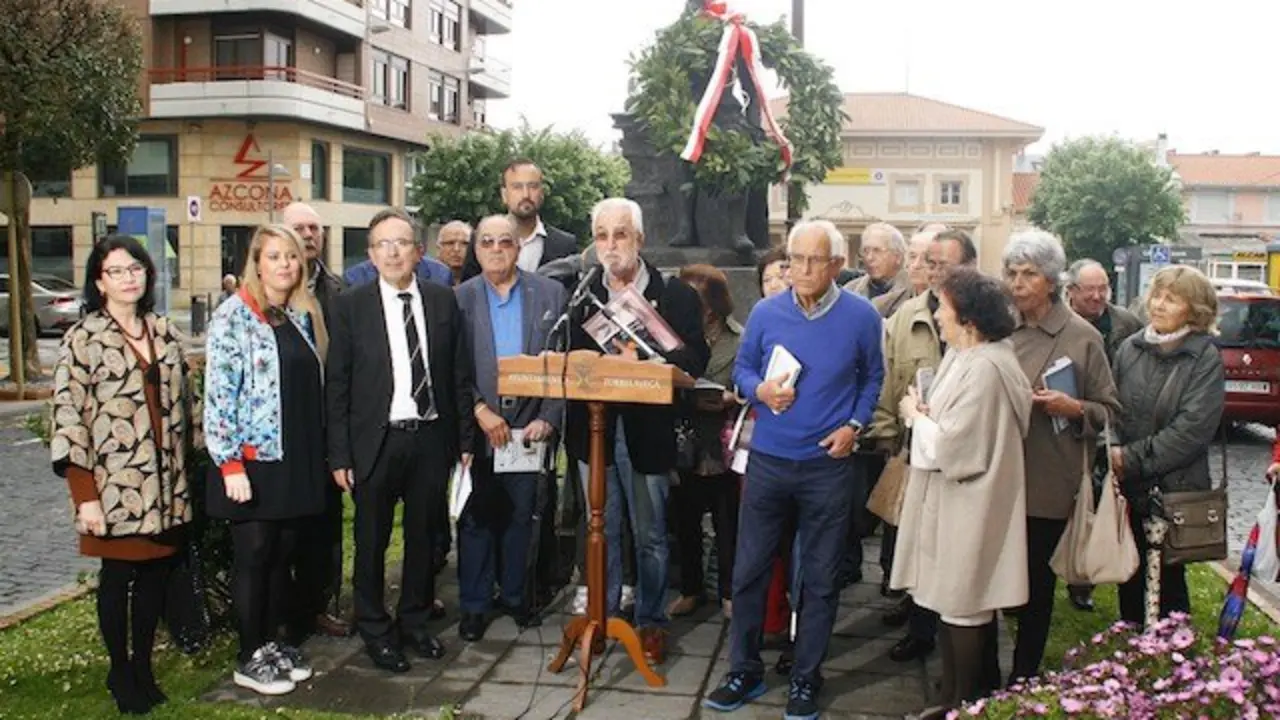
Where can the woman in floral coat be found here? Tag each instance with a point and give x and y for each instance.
(119, 429)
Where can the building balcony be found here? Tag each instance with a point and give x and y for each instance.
(256, 92)
(344, 16)
(489, 78)
(491, 17)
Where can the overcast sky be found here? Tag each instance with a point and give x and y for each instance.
(1203, 72)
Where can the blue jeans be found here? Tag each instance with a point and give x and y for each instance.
(494, 536)
(646, 500)
(820, 490)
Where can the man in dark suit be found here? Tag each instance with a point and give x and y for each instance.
(508, 312)
(400, 416)
(317, 565)
(523, 192)
(640, 444)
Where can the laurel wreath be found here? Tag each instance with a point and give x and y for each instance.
(733, 161)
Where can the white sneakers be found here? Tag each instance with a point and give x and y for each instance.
(579, 606)
(274, 669)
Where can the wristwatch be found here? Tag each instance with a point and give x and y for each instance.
(857, 426)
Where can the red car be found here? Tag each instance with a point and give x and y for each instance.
(1249, 338)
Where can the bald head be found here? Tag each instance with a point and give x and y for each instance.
(306, 222)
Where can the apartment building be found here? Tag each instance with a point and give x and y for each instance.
(1233, 209)
(252, 104)
(910, 159)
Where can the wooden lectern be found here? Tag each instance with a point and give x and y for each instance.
(598, 379)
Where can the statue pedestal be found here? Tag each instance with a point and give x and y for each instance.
(744, 286)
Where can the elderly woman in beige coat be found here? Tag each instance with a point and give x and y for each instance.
(962, 546)
(1064, 425)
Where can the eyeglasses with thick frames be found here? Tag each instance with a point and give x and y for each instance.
(797, 260)
(402, 244)
(120, 272)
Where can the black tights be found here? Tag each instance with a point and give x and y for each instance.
(125, 615)
(260, 583)
(970, 662)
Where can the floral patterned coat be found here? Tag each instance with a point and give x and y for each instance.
(242, 384)
(101, 423)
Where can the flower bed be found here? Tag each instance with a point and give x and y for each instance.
(1170, 672)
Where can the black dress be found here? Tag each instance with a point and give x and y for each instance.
(293, 487)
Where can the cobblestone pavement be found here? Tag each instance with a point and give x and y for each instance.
(1248, 455)
(38, 553)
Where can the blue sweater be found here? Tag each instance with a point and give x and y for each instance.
(842, 370)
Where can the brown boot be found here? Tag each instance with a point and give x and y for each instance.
(654, 642)
(684, 605)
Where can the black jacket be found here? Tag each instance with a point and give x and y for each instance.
(650, 429)
(359, 379)
(556, 245)
(328, 286)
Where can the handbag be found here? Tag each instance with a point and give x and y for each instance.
(1097, 546)
(890, 490)
(186, 609)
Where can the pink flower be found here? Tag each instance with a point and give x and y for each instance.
(1072, 706)
(1183, 639)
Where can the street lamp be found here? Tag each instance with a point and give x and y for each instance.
(273, 169)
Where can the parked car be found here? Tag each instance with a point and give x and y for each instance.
(1249, 339)
(1241, 287)
(57, 302)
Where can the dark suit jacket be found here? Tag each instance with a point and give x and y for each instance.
(556, 245)
(541, 302)
(328, 287)
(650, 429)
(359, 380)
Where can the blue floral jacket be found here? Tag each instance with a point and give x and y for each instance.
(242, 416)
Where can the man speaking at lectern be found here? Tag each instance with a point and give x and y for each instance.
(506, 312)
(640, 442)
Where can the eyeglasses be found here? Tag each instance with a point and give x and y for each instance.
(807, 261)
(870, 251)
(119, 272)
(505, 243)
(521, 187)
(398, 243)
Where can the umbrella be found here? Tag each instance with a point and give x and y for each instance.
(1238, 592)
(1155, 528)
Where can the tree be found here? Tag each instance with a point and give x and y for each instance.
(462, 176)
(1102, 193)
(69, 74)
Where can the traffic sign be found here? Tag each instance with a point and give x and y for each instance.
(193, 208)
(1161, 254)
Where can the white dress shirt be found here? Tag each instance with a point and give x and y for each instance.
(531, 248)
(403, 406)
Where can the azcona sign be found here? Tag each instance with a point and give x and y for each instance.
(248, 190)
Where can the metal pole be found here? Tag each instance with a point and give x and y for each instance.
(794, 188)
(271, 187)
(17, 354)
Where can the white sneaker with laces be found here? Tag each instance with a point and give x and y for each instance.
(263, 675)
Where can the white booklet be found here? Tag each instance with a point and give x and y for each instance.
(459, 490)
(514, 457)
(782, 361)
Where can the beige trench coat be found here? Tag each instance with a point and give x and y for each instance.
(962, 538)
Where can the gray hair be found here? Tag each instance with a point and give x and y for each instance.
(618, 203)
(897, 244)
(458, 224)
(1072, 277)
(1040, 249)
(839, 248)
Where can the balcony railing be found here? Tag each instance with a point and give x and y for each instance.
(491, 77)
(491, 17)
(257, 72)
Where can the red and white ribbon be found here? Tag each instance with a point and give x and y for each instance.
(737, 41)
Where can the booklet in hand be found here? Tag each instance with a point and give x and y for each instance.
(1061, 376)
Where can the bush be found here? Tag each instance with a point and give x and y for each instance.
(1169, 672)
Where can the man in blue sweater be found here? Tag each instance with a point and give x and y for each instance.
(801, 457)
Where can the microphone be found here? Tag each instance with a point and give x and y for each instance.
(583, 285)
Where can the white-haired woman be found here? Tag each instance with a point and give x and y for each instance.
(1071, 409)
(264, 430)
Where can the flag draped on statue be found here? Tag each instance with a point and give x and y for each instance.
(738, 41)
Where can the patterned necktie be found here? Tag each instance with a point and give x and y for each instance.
(417, 362)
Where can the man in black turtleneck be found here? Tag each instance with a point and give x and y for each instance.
(317, 565)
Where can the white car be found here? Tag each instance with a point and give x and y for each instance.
(57, 303)
(1241, 287)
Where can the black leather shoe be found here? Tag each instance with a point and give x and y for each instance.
(387, 658)
(522, 617)
(909, 648)
(426, 646)
(471, 627)
(1081, 598)
(898, 616)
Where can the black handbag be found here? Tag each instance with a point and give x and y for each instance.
(186, 611)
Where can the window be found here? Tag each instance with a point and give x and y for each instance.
(50, 253)
(949, 193)
(366, 177)
(435, 91)
(49, 185)
(391, 80)
(1273, 208)
(277, 56)
(452, 26)
(319, 170)
(452, 99)
(355, 246)
(478, 113)
(906, 193)
(400, 12)
(171, 234)
(236, 55)
(151, 172)
(414, 165)
(436, 31)
(1211, 207)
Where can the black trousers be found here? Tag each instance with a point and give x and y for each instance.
(261, 584)
(1035, 618)
(717, 494)
(412, 466)
(1174, 596)
(317, 565)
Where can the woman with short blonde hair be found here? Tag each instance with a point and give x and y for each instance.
(264, 431)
